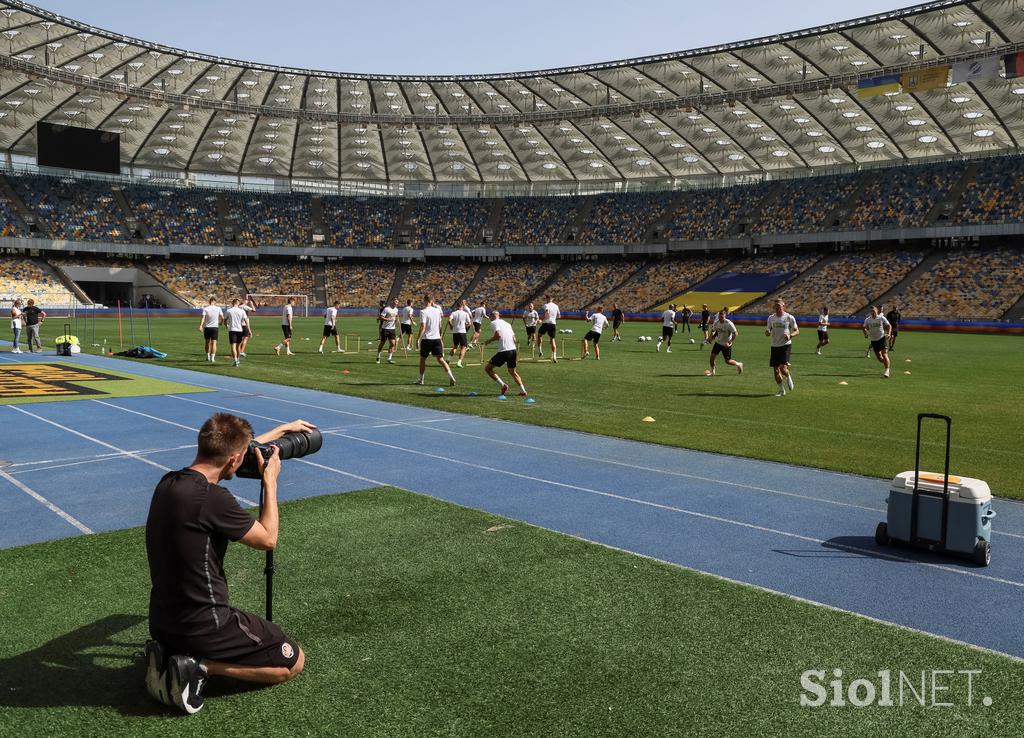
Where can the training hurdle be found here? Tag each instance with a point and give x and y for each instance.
(358, 343)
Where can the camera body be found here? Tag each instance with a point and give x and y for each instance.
(291, 446)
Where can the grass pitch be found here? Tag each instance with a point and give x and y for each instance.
(421, 618)
(866, 426)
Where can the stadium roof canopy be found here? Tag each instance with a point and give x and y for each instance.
(784, 102)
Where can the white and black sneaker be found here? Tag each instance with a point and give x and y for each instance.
(186, 678)
(156, 673)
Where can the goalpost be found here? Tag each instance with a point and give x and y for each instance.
(263, 299)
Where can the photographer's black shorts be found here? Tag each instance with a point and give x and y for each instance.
(244, 639)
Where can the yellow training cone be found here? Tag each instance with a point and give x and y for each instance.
(648, 419)
(906, 372)
(843, 382)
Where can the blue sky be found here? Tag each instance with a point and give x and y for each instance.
(455, 37)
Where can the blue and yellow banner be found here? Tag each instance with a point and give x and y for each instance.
(878, 85)
(933, 78)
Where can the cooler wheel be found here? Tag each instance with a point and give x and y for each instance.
(882, 534)
(983, 553)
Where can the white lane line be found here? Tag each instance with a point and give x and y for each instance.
(693, 513)
(105, 457)
(46, 503)
(94, 457)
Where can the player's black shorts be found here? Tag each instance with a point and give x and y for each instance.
(547, 329)
(286, 330)
(822, 336)
(531, 330)
(246, 333)
(704, 326)
(234, 337)
(879, 346)
(895, 329)
(210, 334)
(431, 347)
(616, 324)
(406, 329)
(504, 358)
(330, 330)
(667, 331)
(725, 351)
(459, 340)
(476, 326)
(244, 639)
(592, 336)
(780, 355)
(387, 334)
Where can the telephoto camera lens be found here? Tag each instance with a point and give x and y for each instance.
(291, 445)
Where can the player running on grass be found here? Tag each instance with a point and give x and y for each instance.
(549, 320)
(723, 333)
(407, 323)
(617, 319)
(237, 320)
(782, 328)
(530, 320)
(249, 307)
(429, 339)
(209, 326)
(705, 323)
(479, 313)
(507, 353)
(668, 327)
(894, 317)
(597, 324)
(286, 327)
(331, 328)
(458, 321)
(823, 322)
(388, 324)
(877, 329)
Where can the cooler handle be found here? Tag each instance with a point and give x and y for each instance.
(917, 488)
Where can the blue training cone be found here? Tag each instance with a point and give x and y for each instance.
(439, 389)
(530, 400)
(472, 394)
(502, 397)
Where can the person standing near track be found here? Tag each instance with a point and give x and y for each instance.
(705, 324)
(877, 329)
(237, 320)
(618, 317)
(530, 320)
(459, 321)
(823, 322)
(549, 321)
(195, 632)
(429, 339)
(723, 332)
(287, 315)
(507, 353)
(408, 322)
(893, 316)
(597, 323)
(209, 326)
(331, 327)
(388, 324)
(686, 319)
(479, 312)
(16, 322)
(782, 328)
(249, 307)
(668, 327)
(34, 318)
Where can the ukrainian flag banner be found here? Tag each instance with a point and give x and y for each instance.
(878, 85)
(925, 79)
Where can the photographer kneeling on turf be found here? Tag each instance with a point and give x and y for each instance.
(195, 632)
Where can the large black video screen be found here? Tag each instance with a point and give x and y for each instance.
(69, 147)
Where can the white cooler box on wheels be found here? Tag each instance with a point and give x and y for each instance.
(940, 512)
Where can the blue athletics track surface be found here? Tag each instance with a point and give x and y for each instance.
(91, 464)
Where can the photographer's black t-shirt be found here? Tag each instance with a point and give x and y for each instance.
(187, 532)
(31, 314)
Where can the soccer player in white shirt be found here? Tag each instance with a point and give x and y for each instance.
(782, 328)
(286, 328)
(823, 322)
(723, 333)
(668, 327)
(407, 323)
(549, 320)
(248, 306)
(479, 313)
(530, 320)
(388, 324)
(237, 320)
(331, 327)
(209, 326)
(429, 339)
(507, 353)
(597, 323)
(877, 329)
(459, 321)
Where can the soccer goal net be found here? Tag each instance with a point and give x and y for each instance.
(263, 300)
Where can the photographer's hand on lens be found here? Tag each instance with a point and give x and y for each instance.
(298, 426)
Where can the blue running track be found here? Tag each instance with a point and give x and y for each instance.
(90, 465)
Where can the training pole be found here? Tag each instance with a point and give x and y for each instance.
(120, 335)
(131, 322)
(268, 570)
(149, 328)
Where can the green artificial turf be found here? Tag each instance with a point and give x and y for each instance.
(866, 426)
(421, 618)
